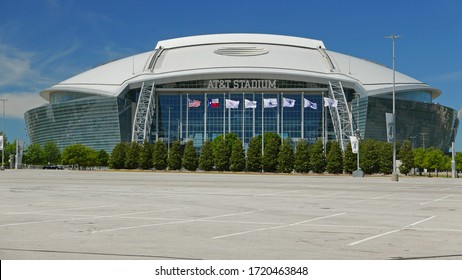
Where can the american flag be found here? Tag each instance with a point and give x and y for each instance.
(193, 103)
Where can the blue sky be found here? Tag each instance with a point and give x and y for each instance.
(43, 42)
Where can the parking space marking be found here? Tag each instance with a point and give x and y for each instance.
(56, 210)
(372, 198)
(390, 232)
(176, 222)
(87, 217)
(436, 200)
(277, 227)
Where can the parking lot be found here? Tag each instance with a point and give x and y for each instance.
(60, 214)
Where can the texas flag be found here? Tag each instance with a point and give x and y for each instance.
(213, 103)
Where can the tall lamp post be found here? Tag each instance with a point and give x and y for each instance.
(394, 175)
(3, 133)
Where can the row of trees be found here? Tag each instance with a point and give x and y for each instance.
(76, 155)
(226, 153)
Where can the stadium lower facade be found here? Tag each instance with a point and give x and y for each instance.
(196, 88)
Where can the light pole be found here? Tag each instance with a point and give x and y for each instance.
(358, 172)
(394, 175)
(3, 133)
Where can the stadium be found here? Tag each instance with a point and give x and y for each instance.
(199, 87)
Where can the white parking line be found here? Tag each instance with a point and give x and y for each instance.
(436, 200)
(176, 222)
(56, 210)
(88, 217)
(373, 198)
(277, 227)
(390, 232)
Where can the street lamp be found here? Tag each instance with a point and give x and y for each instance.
(3, 131)
(358, 172)
(394, 175)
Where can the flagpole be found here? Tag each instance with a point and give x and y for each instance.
(302, 103)
(253, 118)
(323, 124)
(187, 116)
(229, 115)
(282, 117)
(326, 131)
(277, 110)
(224, 115)
(206, 103)
(243, 115)
(157, 117)
(180, 126)
(262, 126)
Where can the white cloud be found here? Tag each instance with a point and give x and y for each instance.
(15, 65)
(448, 77)
(19, 102)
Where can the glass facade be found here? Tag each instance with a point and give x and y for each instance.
(424, 124)
(177, 121)
(99, 123)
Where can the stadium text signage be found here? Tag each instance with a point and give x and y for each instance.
(238, 84)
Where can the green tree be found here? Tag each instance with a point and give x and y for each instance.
(237, 160)
(117, 159)
(350, 160)
(302, 157)
(132, 156)
(419, 157)
(286, 157)
(206, 157)
(406, 155)
(175, 156)
(51, 153)
(334, 159)
(221, 154)
(78, 154)
(272, 144)
(369, 156)
(254, 154)
(458, 162)
(190, 160)
(318, 159)
(145, 156)
(385, 150)
(34, 154)
(160, 156)
(102, 158)
(433, 160)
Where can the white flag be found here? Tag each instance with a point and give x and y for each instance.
(232, 104)
(309, 104)
(1, 142)
(330, 102)
(250, 104)
(354, 144)
(270, 102)
(287, 102)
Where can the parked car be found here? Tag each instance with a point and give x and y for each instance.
(59, 167)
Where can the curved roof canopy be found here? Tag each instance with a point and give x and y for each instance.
(238, 55)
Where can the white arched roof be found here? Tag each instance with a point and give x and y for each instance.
(253, 55)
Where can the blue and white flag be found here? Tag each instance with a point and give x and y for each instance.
(328, 102)
(287, 102)
(309, 104)
(250, 104)
(232, 104)
(270, 102)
